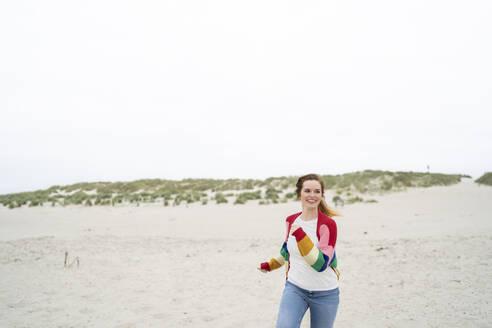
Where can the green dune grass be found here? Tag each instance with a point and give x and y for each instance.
(485, 179)
(269, 191)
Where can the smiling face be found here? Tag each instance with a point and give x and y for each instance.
(311, 194)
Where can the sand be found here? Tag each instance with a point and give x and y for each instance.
(419, 258)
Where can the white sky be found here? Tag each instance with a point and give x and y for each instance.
(124, 90)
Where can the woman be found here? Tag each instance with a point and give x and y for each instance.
(309, 254)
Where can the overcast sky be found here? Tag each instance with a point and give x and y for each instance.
(125, 90)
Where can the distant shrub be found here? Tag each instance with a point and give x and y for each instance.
(370, 201)
(272, 193)
(387, 185)
(336, 199)
(329, 181)
(220, 198)
(88, 202)
(189, 198)
(75, 186)
(105, 196)
(443, 179)
(118, 199)
(403, 179)
(344, 182)
(204, 201)
(354, 200)
(360, 187)
(197, 196)
(177, 200)
(243, 197)
(240, 201)
(290, 195)
(485, 179)
(165, 194)
(148, 197)
(249, 184)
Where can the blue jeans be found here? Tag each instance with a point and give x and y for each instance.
(295, 301)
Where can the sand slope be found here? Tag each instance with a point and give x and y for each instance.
(421, 258)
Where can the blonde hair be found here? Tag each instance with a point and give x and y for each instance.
(323, 206)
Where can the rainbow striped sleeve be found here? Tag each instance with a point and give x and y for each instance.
(277, 262)
(318, 258)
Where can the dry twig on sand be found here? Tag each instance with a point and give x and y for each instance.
(66, 263)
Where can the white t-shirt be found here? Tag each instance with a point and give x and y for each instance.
(302, 274)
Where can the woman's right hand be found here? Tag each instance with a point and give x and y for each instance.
(293, 228)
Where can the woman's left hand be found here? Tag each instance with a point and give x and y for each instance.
(293, 228)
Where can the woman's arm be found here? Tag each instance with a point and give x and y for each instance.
(276, 262)
(323, 256)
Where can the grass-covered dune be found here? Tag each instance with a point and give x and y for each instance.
(485, 179)
(174, 192)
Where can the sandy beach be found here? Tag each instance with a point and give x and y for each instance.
(418, 258)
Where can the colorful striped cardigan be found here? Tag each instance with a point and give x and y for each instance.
(318, 258)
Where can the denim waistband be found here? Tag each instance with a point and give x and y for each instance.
(313, 292)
